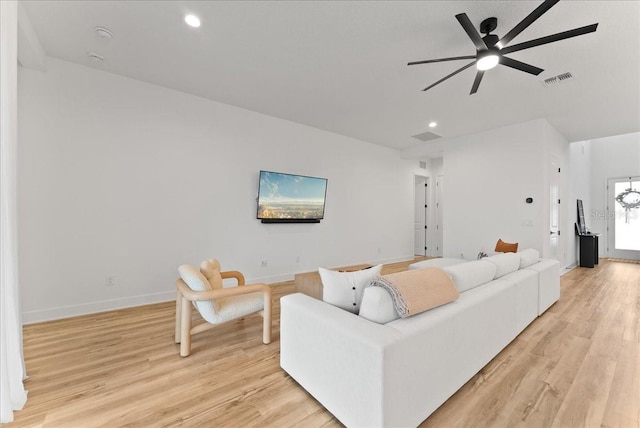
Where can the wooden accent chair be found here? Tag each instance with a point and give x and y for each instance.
(203, 290)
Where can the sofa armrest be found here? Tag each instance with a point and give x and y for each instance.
(325, 348)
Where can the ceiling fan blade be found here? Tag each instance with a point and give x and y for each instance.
(518, 65)
(549, 39)
(528, 20)
(453, 58)
(450, 75)
(476, 82)
(473, 34)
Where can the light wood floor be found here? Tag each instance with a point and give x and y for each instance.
(576, 366)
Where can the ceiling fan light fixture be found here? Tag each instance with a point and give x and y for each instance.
(488, 61)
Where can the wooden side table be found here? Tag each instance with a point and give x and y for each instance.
(309, 283)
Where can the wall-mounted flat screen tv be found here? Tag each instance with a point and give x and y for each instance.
(289, 198)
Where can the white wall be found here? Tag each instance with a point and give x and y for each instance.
(556, 146)
(611, 157)
(118, 177)
(488, 177)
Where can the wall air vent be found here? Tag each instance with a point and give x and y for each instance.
(427, 136)
(423, 165)
(556, 80)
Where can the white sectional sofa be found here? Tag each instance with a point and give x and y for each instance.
(396, 374)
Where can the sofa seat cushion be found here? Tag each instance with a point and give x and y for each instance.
(505, 263)
(345, 289)
(471, 274)
(528, 257)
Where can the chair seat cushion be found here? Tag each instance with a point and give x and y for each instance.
(238, 306)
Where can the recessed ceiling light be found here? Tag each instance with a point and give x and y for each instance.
(192, 21)
(433, 124)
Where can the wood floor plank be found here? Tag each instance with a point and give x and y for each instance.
(577, 365)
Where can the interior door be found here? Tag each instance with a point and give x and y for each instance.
(420, 216)
(623, 221)
(554, 209)
(439, 215)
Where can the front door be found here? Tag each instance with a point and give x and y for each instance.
(623, 220)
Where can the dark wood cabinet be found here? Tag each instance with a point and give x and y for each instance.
(588, 250)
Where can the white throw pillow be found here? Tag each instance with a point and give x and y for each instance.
(377, 305)
(344, 289)
(506, 263)
(528, 257)
(471, 274)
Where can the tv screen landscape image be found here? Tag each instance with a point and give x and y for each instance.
(289, 198)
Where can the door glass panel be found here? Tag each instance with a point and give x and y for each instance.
(627, 221)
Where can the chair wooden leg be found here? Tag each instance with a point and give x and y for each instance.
(178, 316)
(185, 328)
(266, 319)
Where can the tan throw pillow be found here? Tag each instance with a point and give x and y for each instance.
(505, 247)
(211, 270)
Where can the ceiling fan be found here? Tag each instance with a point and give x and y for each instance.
(491, 51)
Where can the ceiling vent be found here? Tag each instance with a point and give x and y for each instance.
(556, 80)
(427, 136)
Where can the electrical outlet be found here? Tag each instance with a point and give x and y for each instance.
(110, 280)
(297, 259)
(263, 263)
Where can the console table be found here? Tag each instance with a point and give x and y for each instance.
(309, 283)
(588, 250)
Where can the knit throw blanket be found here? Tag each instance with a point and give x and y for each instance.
(419, 290)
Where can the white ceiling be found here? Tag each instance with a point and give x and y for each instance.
(341, 65)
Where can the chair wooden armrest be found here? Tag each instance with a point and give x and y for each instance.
(193, 296)
(233, 274)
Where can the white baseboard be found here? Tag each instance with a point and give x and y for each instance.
(50, 314)
(30, 317)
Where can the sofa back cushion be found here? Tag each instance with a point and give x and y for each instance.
(377, 306)
(528, 257)
(471, 274)
(505, 263)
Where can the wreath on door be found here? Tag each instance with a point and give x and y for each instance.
(629, 199)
